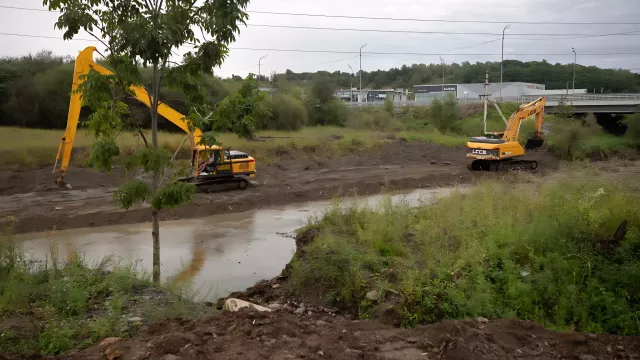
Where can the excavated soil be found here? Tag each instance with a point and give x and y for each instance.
(31, 198)
(280, 335)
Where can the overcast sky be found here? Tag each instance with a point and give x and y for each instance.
(241, 62)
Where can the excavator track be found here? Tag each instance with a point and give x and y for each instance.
(210, 185)
(503, 165)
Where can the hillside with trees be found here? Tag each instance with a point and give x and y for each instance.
(34, 89)
(554, 76)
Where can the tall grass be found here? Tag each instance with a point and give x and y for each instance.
(578, 140)
(31, 148)
(541, 252)
(51, 307)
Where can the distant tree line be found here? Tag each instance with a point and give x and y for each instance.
(554, 76)
(35, 92)
(35, 89)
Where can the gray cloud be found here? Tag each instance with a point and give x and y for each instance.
(243, 61)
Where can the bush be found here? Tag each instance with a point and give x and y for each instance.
(444, 114)
(565, 139)
(373, 119)
(332, 113)
(633, 129)
(414, 117)
(288, 113)
(322, 107)
(389, 108)
(545, 253)
(584, 139)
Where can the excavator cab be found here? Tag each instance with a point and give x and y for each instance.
(213, 165)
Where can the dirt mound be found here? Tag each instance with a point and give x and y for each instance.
(20, 182)
(279, 335)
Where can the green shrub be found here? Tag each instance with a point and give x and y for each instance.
(332, 113)
(545, 253)
(373, 119)
(583, 139)
(633, 129)
(288, 113)
(389, 108)
(414, 117)
(444, 114)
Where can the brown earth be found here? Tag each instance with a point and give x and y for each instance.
(280, 335)
(37, 204)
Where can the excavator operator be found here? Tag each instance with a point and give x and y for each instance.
(206, 163)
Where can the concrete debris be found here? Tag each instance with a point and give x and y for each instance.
(373, 295)
(234, 305)
(299, 311)
(275, 306)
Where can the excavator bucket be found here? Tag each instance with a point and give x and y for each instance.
(534, 143)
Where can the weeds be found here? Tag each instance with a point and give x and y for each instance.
(49, 308)
(540, 252)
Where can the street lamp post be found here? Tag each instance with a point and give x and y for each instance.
(502, 59)
(351, 84)
(260, 69)
(575, 60)
(443, 69)
(361, 47)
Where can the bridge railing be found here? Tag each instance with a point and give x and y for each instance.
(518, 99)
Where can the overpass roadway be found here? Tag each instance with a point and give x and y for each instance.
(583, 103)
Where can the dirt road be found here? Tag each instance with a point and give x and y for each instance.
(32, 199)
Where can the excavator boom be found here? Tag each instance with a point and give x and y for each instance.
(84, 64)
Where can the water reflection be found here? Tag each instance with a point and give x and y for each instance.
(219, 254)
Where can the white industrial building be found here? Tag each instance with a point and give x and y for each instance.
(371, 95)
(425, 93)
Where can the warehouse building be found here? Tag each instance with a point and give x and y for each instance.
(424, 94)
(370, 95)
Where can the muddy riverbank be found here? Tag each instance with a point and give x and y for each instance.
(32, 200)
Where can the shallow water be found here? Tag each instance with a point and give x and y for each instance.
(219, 254)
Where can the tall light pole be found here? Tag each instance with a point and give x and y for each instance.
(360, 95)
(502, 59)
(443, 68)
(575, 60)
(260, 69)
(351, 84)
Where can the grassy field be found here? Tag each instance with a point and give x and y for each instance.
(32, 148)
(543, 250)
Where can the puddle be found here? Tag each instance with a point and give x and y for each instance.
(220, 253)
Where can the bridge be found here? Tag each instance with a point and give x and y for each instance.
(582, 104)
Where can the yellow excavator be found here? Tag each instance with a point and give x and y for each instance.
(222, 166)
(501, 150)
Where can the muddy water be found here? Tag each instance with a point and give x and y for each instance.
(219, 254)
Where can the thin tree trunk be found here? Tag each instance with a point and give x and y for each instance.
(156, 178)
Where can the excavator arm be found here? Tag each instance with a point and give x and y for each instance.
(536, 107)
(84, 63)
